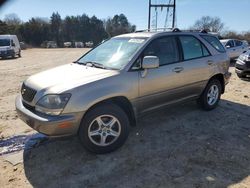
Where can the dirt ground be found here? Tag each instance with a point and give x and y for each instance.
(179, 146)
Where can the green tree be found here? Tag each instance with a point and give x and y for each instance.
(56, 28)
(4, 28)
(35, 31)
(118, 25)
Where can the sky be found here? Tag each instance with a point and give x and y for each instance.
(234, 13)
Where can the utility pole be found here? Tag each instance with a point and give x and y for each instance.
(173, 22)
(162, 6)
(149, 14)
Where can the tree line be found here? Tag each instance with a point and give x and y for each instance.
(72, 28)
(83, 28)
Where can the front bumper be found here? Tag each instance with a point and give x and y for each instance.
(62, 125)
(7, 53)
(242, 67)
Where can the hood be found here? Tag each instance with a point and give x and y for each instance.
(67, 77)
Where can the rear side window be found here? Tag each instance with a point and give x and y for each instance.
(238, 43)
(165, 48)
(214, 41)
(192, 48)
(230, 44)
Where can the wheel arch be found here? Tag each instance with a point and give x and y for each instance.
(219, 77)
(120, 101)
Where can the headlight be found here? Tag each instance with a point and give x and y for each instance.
(52, 104)
(243, 58)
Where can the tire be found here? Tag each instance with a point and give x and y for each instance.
(19, 54)
(209, 103)
(93, 123)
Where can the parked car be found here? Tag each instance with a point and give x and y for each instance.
(9, 46)
(23, 46)
(235, 47)
(242, 65)
(102, 94)
(79, 44)
(49, 44)
(67, 44)
(89, 44)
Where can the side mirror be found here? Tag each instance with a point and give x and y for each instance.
(13, 44)
(150, 62)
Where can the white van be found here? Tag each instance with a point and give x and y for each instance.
(9, 46)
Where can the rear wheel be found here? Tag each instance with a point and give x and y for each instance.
(104, 129)
(19, 54)
(210, 97)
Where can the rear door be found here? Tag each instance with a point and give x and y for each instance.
(197, 64)
(231, 49)
(240, 48)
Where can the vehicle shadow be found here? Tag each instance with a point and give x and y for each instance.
(180, 146)
(8, 58)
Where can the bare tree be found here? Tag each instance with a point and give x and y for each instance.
(213, 24)
(12, 19)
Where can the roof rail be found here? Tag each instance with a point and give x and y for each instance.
(154, 29)
(172, 30)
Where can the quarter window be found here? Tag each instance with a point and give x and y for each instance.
(166, 49)
(214, 41)
(238, 43)
(230, 44)
(192, 48)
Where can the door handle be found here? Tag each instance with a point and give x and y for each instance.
(178, 69)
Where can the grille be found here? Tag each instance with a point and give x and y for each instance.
(28, 93)
(30, 108)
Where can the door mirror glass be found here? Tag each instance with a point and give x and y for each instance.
(150, 62)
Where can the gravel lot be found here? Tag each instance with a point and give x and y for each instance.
(179, 146)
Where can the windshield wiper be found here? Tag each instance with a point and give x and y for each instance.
(94, 64)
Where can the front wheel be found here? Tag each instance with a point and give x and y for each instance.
(104, 129)
(210, 97)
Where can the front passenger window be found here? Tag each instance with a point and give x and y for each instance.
(166, 49)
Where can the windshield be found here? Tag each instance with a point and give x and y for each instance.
(4, 42)
(114, 53)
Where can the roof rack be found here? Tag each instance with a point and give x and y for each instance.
(154, 30)
(172, 30)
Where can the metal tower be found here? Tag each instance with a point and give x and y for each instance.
(170, 15)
